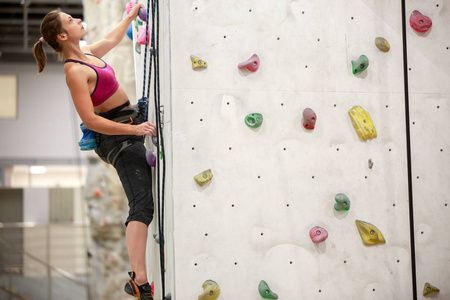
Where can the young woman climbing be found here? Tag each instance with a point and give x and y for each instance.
(119, 129)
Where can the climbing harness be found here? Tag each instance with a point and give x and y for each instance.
(115, 144)
(120, 114)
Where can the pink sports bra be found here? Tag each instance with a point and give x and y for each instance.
(106, 84)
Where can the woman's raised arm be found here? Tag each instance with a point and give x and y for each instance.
(113, 37)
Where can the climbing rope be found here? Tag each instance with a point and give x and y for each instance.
(145, 57)
(160, 139)
(160, 163)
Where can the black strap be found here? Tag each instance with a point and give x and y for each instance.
(111, 114)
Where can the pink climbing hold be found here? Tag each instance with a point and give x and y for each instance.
(309, 119)
(129, 6)
(142, 11)
(318, 234)
(419, 22)
(141, 36)
(252, 64)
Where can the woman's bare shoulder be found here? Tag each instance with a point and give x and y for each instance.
(75, 74)
(73, 68)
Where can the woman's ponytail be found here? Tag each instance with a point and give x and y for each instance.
(39, 55)
(50, 28)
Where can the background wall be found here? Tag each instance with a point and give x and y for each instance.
(46, 127)
(273, 184)
(47, 132)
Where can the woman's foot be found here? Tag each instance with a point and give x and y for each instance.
(142, 292)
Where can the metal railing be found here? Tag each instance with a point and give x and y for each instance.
(44, 261)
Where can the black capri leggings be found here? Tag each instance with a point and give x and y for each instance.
(126, 153)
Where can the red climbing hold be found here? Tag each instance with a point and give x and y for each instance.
(309, 119)
(252, 64)
(318, 234)
(419, 22)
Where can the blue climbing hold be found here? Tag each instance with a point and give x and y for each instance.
(130, 31)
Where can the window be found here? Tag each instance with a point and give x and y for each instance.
(8, 97)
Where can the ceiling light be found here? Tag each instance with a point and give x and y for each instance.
(38, 170)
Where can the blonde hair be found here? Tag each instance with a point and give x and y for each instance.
(51, 26)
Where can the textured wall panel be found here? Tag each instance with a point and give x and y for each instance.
(272, 184)
(429, 73)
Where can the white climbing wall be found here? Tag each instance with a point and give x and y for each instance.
(429, 63)
(273, 184)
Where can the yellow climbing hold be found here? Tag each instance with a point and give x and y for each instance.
(211, 290)
(362, 122)
(370, 235)
(382, 44)
(203, 177)
(429, 289)
(198, 63)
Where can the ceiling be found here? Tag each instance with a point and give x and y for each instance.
(20, 22)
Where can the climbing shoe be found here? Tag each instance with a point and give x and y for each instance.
(142, 292)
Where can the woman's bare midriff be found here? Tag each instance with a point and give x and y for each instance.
(117, 99)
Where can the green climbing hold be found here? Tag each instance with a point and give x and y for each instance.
(254, 120)
(429, 289)
(342, 202)
(265, 291)
(360, 65)
(137, 48)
